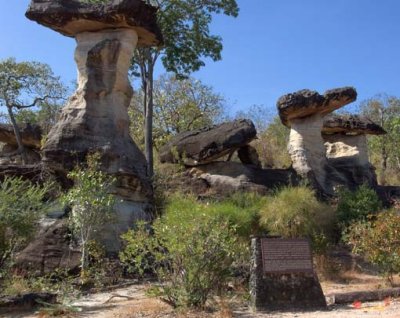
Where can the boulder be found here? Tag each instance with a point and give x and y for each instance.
(31, 135)
(71, 17)
(52, 249)
(95, 119)
(304, 113)
(227, 177)
(208, 144)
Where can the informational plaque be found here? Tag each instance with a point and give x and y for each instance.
(285, 256)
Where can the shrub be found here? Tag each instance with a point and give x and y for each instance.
(191, 252)
(356, 205)
(378, 240)
(91, 204)
(21, 206)
(295, 212)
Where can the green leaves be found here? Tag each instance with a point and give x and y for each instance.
(21, 206)
(191, 252)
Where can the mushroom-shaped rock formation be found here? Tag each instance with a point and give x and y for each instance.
(31, 136)
(347, 150)
(71, 17)
(304, 112)
(208, 144)
(95, 118)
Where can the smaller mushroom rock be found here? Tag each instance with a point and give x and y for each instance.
(207, 144)
(305, 103)
(70, 17)
(347, 149)
(31, 135)
(351, 125)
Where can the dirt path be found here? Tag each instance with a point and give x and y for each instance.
(132, 302)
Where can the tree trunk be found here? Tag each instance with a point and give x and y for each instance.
(148, 137)
(21, 148)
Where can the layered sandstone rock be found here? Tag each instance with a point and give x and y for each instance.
(208, 144)
(347, 150)
(304, 113)
(95, 118)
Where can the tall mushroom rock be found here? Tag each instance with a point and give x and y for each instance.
(95, 118)
(304, 113)
(346, 148)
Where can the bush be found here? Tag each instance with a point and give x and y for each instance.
(21, 206)
(91, 204)
(356, 205)
(378, 240)
(191, 252)
(295, 212)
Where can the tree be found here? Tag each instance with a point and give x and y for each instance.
(179, 105)
(187, 41)
(21, 205)
(385, 111)
(91, 203)
(26, 85)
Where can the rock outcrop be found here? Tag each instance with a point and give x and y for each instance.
(52, 249)
(31, 136)
(208, 144)
(304, 113)
(95, 118)
(347, 149)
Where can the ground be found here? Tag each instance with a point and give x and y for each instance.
(132, 302)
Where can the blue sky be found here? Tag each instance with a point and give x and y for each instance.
(274, 47)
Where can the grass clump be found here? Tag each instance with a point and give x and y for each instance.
(295, 212)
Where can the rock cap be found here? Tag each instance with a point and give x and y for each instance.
(306, 103)
(70, 17)
(351, 125)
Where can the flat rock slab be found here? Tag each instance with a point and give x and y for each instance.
(70, 17)
(26, 301)
(351, 124)
(31, 135)
(208, 144)
(306, 103)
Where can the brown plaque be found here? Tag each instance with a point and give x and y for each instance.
(286, 255)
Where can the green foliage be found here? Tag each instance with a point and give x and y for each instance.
(185, 28)
(21, 205)
(179, 105)
(91, 203)
(378, 240)
(191, 252)
(384, 150)
(295, 212)
(356, 205)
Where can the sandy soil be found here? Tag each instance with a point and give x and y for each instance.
(132, 302)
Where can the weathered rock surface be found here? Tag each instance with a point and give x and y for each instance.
(351, 125)
(71, 17)
(305, 103)
(228, 177)
(95, 118)
(25, 301)
(31, 135)
(249, 156)
(208, 144)
(52, 249)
